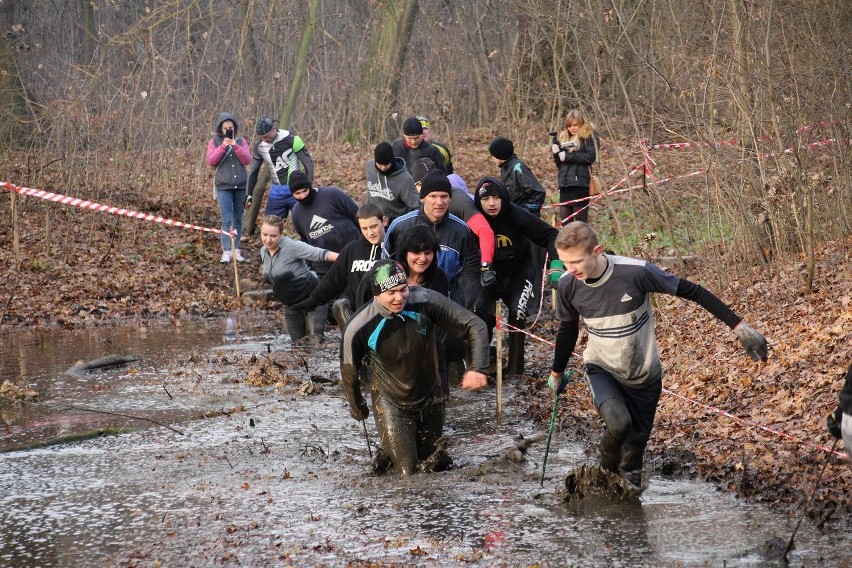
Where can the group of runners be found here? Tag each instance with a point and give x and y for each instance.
(412, 276)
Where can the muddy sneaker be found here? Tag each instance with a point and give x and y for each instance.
(226, 257)
(381, 461)
(239, 256)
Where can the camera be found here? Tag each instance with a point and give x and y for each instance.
(229, 133)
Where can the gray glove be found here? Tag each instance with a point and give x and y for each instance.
(752, 341)
(558, 386)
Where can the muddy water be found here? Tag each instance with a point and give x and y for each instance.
(284, 482)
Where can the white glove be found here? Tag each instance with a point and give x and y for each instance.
(562, 156)
(555, 148)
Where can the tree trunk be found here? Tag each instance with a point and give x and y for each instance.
(301, 63)
(382, 67)
(87, 30)
(13, 96)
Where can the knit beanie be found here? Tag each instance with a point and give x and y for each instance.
(383, 153)
(435, 180)
(386, 274)
(298, 180)
(420, 167)
(501, 148)
(488, 187)
(412, 127)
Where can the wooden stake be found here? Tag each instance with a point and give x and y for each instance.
(16, 236)
(234, 260)
(499, 332)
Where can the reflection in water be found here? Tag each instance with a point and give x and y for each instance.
(227, 492)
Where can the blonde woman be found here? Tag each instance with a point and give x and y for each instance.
(573, 154)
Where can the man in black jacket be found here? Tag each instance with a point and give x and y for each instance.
(355, 260)
(412, 146)
(514, 268)
(397, 333)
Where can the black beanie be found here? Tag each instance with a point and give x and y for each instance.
(435, 180)
(412, 127)
(386, 274)
(501, 148)
(420, 167)
(383, 153)
(298, 180)
(489, 186)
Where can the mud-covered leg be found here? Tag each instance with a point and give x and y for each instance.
(430, 429)
(398, 434)
(617, 418)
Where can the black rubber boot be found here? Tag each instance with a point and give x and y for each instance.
(515, 365)
(617, 419)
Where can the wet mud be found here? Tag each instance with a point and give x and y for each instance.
(285, 478)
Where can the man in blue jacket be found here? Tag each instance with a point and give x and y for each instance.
(459, 253)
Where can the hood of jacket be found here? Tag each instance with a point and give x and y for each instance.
(223, 116)
(506, 199)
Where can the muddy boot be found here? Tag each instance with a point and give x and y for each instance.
(631, 463)
(515, 364)
(617, 419)
(610, 452)
(381, 462)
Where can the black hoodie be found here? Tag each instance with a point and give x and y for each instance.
(513, 228)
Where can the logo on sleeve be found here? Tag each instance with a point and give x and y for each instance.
(626, 298)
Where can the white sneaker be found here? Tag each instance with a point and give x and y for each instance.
(226, 257)
(239, 256)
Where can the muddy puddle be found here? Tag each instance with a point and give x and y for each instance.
(283, 479)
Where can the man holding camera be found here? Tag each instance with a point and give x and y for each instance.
(283, 153)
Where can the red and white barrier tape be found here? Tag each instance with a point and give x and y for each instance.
(84, 204)
(741, 421)
(752, 424)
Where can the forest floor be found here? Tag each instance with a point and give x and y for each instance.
(83, 268)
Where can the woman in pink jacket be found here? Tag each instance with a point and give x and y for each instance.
(229, 154)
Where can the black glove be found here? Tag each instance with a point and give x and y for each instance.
(488, 279)
(833, 422)
(304, 305)
(752, 341)
(359, 410)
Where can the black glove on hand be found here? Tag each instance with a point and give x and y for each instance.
(304, 305)
(488, 279)
(752, 341)
(833, 422)
(359, 410)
